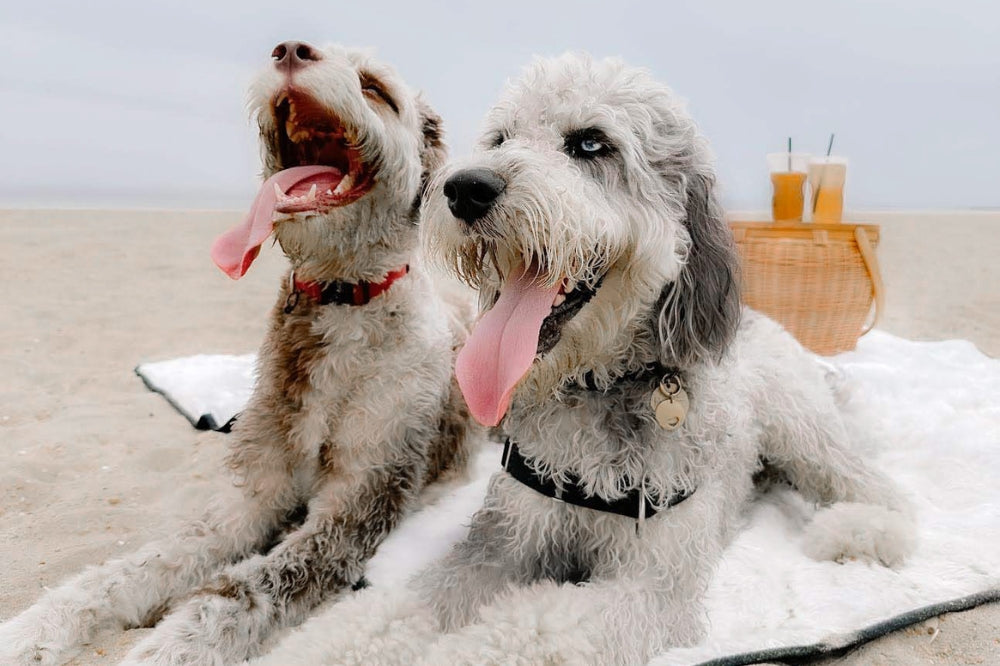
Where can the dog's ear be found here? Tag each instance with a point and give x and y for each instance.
(433, 151)
(700, 311)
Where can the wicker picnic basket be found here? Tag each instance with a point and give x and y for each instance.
(820, 281)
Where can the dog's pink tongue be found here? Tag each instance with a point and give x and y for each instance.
(236, 249)
(502, 346)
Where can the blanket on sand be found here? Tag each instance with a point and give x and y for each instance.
(931, 421)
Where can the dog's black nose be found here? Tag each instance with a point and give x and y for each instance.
(472, 192)
(290, 56)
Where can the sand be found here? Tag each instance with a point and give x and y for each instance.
(92, 464)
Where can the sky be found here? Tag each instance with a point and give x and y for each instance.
(141, 104)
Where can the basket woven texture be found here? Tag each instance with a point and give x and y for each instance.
(820, 281)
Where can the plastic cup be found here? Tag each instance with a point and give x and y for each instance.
(826, 184)
(788, 178)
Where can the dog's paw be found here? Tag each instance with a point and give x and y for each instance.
(507, 643)
(18, 646)
(850, 531)
(463, 649)
(207, 629)
(546, 623)
(36, 638)
(371, 627)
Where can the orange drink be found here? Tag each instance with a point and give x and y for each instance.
(789, 196)
(788, 179)
(826, 182)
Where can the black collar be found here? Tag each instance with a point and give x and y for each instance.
(634, 505)
(646, 373)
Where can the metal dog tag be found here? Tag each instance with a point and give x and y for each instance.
(669, 414)
(670, 403)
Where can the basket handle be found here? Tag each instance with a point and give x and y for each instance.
(871, 263)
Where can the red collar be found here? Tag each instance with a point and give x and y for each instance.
(344, 293)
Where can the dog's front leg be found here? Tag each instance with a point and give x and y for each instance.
(241, 608)
(372, 626)
(604, 622)
(478, 568)
(395, 627)
(643, 593)
(134, 590)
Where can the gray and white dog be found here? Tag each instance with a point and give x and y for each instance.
(354, 411)
(588, 220)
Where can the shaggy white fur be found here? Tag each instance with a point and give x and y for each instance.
(592, 175)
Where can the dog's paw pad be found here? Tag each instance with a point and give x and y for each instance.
(849, 531)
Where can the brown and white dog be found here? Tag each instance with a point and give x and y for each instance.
(353, 412)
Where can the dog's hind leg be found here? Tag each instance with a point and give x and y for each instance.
(238, 610)
(864, 516)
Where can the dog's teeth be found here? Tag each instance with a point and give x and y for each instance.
(278, 194)
(570, 285)
(329, 191)
(558, 300)
(345, 184)
(312, 193)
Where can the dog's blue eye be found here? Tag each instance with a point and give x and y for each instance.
(587, 144)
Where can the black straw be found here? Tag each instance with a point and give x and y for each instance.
(822, 174)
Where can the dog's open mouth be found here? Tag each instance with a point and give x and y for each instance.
(568, 302)
(527, 320)
(307, 134)
(321, 168)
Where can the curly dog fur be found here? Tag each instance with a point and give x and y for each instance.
(354, 410)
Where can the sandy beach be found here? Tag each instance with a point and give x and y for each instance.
(92, 464)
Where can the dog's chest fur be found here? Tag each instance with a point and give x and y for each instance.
(602, 437)
(336, 371)
(611, 440)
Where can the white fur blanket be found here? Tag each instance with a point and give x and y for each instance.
(932, 422)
